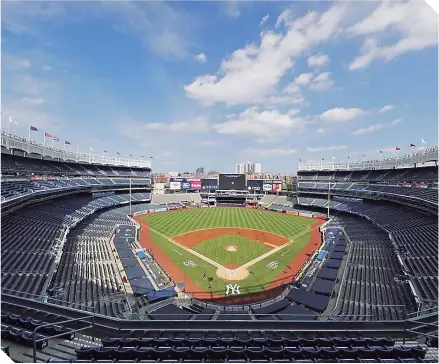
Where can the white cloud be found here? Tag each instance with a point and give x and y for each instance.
(412, 23)
(322, 82)
(202, 58)
(320, 131)
(340, 115)
(270, 124)
(326, 149)
(375, 127)
(318, 60)
(264, 19)
(209, 143)
(47, 68)
(14, 63)
(279, 100)
(198, 125)
(33, 100)
(232, 9)
(386, 108)
(252, 73)
(369, 129)
(270, 152)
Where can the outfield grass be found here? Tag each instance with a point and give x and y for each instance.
(180, 222)
(216, 249)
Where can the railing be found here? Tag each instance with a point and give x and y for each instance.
(13, 141)
(408, 160)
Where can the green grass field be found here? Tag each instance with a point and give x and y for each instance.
(216, 249)
(179, 222)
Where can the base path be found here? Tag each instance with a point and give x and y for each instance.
(193, 238)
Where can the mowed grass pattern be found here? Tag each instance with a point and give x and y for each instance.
(183, 221)
(216, 249)
(179, 222)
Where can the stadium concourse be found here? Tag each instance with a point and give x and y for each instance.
(77, 284)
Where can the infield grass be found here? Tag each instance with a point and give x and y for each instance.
(179, 222)
(246, 249)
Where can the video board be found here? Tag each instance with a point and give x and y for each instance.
(255, 185)
(184, 183)
(232, 182)
(209, 184)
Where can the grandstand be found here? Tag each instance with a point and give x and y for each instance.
(74, 268)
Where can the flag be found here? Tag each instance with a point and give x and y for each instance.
(11, 120)
(150, 157)
(91, 149)
(300, 160)
(142, 156)
(423, 141)
(47, 135)
(32, 128)
(55, 139)
(117, 153)
(381, 151)
(412, 145)
(105, 151)
(348, 157)
(79, 146)
(398, 148)
(131, 155)
(66, 142)
(322, 159)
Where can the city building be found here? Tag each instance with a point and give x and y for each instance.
(199, 170)
(248, 167)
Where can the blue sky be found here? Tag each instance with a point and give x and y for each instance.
(215, 83)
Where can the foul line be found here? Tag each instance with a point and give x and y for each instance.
(215, 264)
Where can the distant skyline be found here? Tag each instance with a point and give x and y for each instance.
(212, 83)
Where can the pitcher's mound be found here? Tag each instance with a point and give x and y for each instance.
(231, 248)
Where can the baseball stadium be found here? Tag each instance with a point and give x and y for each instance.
(219, 182)
(111, 265)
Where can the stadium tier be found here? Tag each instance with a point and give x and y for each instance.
(104, 266)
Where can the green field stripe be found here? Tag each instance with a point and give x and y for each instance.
(247, 249)
(183, 221)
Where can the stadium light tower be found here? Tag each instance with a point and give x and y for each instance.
(130, 195)
(329, 196)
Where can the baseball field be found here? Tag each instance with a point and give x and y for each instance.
(225, 252)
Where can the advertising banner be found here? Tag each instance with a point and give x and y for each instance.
(255, 185)
(193, 180)
(185, 185)
(196, 185)
(175, 185)
(277, 187)
(267, 187)
(179, 179)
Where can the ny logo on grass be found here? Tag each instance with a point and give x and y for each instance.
(189, 263)
(233, 289)
(273, 264)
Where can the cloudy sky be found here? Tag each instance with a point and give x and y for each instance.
(214, 83)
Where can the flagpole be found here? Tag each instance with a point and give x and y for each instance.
(44, 139)
(29, 134)
(9, 125)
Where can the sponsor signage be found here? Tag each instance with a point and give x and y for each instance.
(267, 187)
(175, 185)
(196, 185)
(193, 180)
(177, 179)
(277, 187)
(185, 185)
